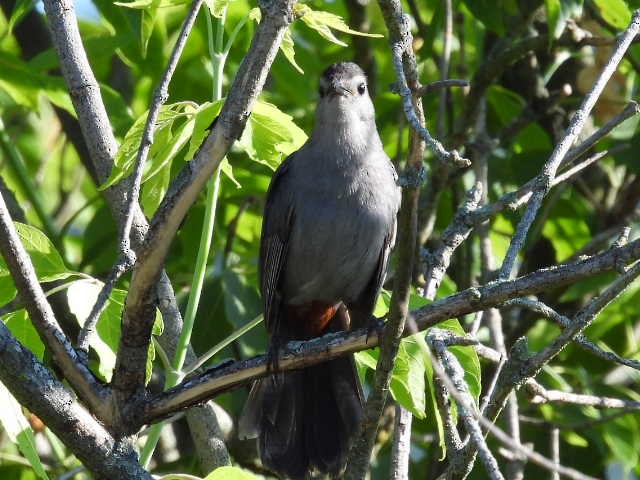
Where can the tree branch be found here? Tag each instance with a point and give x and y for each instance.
(406, 70)
(560, 151)
(41, 314)
(303, 354)
(128, 378)
(102, 146)
(35, 387)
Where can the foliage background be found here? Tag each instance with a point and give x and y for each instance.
(128, 49)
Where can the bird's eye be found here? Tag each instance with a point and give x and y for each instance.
(362, 88)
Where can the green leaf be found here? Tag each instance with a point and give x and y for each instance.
(623, 438)
(81, 296)
(230, 473)
(324, 22)
(25, 86)
(217, 7)
(162, 152)
(19, 430)
(567, 231)
(467, 357)
(204, 117)
(286, 46)
(614, 12)
(153, 192)
(7, 287)
(492, 13)
(553, 17)
(46, 259)
(558, 12)
(227, 169)
(147, 22)
(147, 4)
(270, 135)
(22, 328)
(407, 383)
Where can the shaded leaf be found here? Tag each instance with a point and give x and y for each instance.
(19, 430)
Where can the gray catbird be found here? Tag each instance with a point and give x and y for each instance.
(329, 224)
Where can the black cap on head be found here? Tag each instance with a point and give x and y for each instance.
(342, 70)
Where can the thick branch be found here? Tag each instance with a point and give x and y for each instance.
(35, 387)
(43, 319)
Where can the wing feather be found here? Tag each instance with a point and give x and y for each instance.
(274, 241)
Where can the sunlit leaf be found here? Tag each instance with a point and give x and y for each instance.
(160, 153)
(230, 473)
(614, 12)
(81, 297)
(324, 22)
(22, 328)
(270, 135)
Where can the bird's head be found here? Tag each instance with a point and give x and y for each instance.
(344, 97)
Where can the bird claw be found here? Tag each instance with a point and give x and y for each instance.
(375, 325)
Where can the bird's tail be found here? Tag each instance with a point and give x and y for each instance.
(305, 420)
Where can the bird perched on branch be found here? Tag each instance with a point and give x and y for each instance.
(328, 227)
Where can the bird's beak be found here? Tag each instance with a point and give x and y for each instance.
(338, 89)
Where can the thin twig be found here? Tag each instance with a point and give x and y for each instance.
(452, 374)
(541, 395)
(453, 371)
(578, 120)
(444, 66)
(459, 229)
(398, 50)
(581, 340)
(440, 84)
(555, 451)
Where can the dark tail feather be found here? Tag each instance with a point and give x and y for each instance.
(305, 419)
(333, 412)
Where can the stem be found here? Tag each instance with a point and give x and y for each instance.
(219, 346)
(174, 375)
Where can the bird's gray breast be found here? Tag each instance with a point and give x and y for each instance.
(342, 216)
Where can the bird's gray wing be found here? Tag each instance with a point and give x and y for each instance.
(274, 241)
(361, 310)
